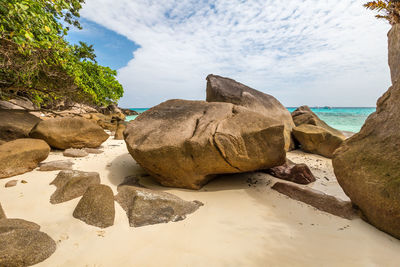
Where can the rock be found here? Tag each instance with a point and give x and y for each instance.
(107, 122)
(93, 150)
(75, 153)
(24, 103)
(394, 52)
(21, 155)
(128, 112)
(186, 143)
(317, 199)
(317, 140)
(11, 183)
(2, 142)
(23, 247)
(146, 207)
(63, 133)
(119, 133)
(367, 165)
(8, 105)
(2, 213)
(23, 182)
(304, 115)
(296, 173)
(72, 184)
(56, 165)
(15, 124)
(96, 207)
(221, 89)
(7, 225)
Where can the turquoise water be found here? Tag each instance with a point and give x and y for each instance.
(344, 119)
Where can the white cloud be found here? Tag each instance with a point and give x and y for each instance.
(316, 52)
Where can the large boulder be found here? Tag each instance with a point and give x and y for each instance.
(21, 155)
(185, 143)
(394, 52)
(221, 89)
(317, 140)
(63, 133)
(7, 225)
(367, 165)
(16, 124)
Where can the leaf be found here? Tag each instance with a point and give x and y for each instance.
(47, 29)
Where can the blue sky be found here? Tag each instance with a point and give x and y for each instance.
(314, 52)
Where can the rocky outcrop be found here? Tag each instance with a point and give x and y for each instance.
(221, 89)
(108, 122)
(394, 52)
(185, 143)
(367, 165)
(56, 165)
(317, 140)
(317, 199)
(146, 207)
(15, 124)
(7, 225)
(290, 171)
(75, 153)
(128, 112)
(21, 155)
(72, 184)
(96, 207)
(63, 133)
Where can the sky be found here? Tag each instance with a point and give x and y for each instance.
(303, 52)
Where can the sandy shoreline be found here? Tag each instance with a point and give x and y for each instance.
(241, 223)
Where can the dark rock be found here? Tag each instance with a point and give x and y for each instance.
(146, 207)
(297, 173)
(63, 133)
(23, 247)
(128, 112)
(15, 124)
(56, 165)
(367, 165)
(11, 183)
(317, 199)
(72, 184)
(7, 225)
(96, 207)
(394, 52)
(221, 89)
(186, 143)
(75, 153)
(21, 155)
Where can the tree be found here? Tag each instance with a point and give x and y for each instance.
(390, 10)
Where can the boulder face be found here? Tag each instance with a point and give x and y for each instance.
(367, 165)
(15, 124)
(185, 143)
(7, 225)
(221, 89)
(63, 133)
(317, 140)
(21, 155)
(394, 52)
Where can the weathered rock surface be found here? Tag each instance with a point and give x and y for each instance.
(63, 133)
(128, 112)
(11, 183)
(24, 103)
(304, 115)
(24, 247)
(185, 143)
(72, 184)
(56, 165)
(96, 206)
(317, 199)
(2, 213)
(93, 150)
(221, 89)
(108, 122)
(21, 155)
(75, 153)
(15, 124)
(146, 207)
(317, 140)
(296, 173)
(9, 105)
(7, 225)
(119, 133)
(367, 165)
(394, 52)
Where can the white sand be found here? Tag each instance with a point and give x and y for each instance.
(238, 226)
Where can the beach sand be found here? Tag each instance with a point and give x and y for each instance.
(243, 222)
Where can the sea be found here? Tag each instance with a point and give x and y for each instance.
(342, 118)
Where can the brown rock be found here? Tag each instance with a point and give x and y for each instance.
(119, 133)
(296, 173)
(7, 225)
(94, 151)
(75, 153)
(96, 207)
(367, 165)
(2, 213)
(185, 143)
(317, 199)
(394, 52)
(63, 133)
(56, 165)
(108, 122)
(128, 112)
(317, 140)
(24, 247)
(9, 105)
(221, 89)
(15, 124)
(11, 183)
(146, 207)
(72, 184)
(21, 155)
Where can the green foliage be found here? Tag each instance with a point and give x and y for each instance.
(37, 62)
(390, 10)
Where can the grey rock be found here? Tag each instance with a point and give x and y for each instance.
(8, 105)
(57, 165)
(75, 153)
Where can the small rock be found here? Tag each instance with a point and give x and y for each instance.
(96, 207)
(23, 182)
(297, 173)
(93, 151)
(2, 213)
(75, 153)
(7, 225)
(72, 184)
(11, 183)
(56, 165)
